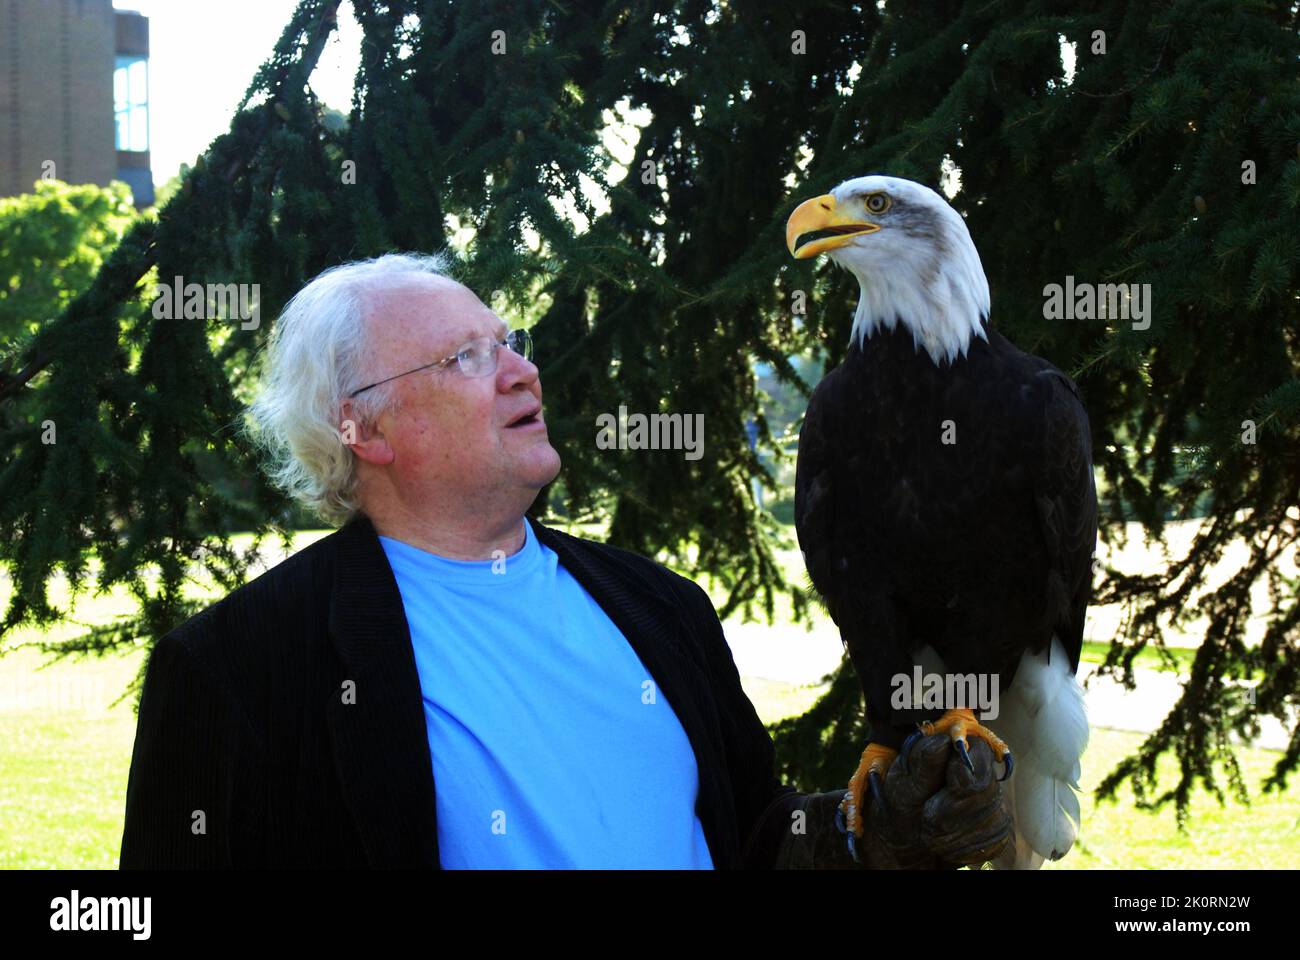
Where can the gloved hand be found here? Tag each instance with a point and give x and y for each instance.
(939, 816)
(937, 813)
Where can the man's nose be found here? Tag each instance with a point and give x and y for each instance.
(513, 369)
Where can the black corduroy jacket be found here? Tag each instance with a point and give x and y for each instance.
(253, 750)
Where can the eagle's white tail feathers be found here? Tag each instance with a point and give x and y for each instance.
(1043, 720)
(1018, 855)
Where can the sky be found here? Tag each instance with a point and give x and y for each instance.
(202, 56)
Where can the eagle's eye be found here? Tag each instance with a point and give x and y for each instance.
(878, 202)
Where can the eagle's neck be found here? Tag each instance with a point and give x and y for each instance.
(942, 300)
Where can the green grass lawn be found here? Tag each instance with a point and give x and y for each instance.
(1118, 836)
(65, 753)
(64, 757)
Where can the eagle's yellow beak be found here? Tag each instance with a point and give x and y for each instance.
(819, 214)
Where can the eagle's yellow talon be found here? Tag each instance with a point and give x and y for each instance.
(959, 724)
(876, 759)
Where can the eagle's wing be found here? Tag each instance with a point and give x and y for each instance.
(815, 489)
(1066, 499)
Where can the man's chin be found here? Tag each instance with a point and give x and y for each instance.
(543, 465)
(555, 471)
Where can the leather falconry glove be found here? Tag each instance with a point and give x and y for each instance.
(938, 815)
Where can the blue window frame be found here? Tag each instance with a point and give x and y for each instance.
(131, 102)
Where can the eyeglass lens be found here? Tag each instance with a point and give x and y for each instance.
(479, 358)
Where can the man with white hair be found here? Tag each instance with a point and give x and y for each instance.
(576, 705)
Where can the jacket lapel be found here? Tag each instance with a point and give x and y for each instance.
(381, 743)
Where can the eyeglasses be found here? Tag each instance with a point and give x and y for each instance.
(478, 358)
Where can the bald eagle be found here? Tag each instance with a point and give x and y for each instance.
(945, 507)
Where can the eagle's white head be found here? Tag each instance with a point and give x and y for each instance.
(912, 255)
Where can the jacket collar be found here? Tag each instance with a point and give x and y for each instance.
(383, 730)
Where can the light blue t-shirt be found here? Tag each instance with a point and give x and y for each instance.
(552, 745)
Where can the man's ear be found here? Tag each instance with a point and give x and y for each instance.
(367, 440)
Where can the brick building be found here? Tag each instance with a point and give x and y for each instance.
(74, 95)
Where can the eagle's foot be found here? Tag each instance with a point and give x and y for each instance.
(959, 724)
(873, 766)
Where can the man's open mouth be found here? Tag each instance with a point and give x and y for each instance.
(525, 419)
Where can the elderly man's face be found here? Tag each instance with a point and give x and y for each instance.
(450, 436)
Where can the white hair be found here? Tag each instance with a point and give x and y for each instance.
(318, 353)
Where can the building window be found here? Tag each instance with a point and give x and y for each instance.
(131, 102)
